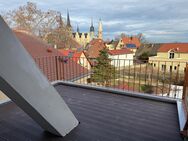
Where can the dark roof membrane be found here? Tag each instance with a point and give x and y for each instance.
(103, 116)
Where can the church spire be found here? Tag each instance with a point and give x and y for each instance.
(92, 29)
(91, 21)
(68, 19)
(100, 30)
(78, 30)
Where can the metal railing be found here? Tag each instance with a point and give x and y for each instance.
(162, 78)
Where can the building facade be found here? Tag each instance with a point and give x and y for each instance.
(170, 57)
(132, 43)
(121, 58)
(83, 38)
(78, 56)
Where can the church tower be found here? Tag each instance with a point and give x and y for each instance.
(92, 30)
(60, 21)
(68, 22)
(78, 30)
(100, 30)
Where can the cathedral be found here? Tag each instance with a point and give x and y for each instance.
(84, 38)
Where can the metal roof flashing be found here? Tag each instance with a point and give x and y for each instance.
(116, 91)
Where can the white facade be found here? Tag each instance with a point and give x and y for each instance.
(121, 60)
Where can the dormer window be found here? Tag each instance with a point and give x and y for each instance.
(171, 55)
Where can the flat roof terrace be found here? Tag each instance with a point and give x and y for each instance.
(103, 116)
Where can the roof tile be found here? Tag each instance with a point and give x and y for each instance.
(178, 47)
(120, 51)
(131, 40)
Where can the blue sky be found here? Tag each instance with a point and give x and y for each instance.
(158, 20)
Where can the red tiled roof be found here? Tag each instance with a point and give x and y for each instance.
(76, 54)
(45, 56)
(35, 46)
(178, 47)
(66, 52)
(131, 40)
(60, 68)
(120, 51)
(94, 47)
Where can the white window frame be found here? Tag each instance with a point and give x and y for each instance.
(170, 56)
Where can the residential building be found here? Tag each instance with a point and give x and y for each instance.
(132, 43)
(112, 45)
(77, 56)
(172, 57)
(121, 57)
(93, 48)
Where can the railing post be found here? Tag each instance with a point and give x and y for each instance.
(56, 66)
(185, 83)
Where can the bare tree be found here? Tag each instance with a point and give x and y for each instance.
(46, 24)
(29, 17)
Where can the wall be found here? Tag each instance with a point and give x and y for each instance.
(110, 46)
(125, 60)
(120, 44)
(177, 55)
(171, 64)
(82, 41)
(83, 61)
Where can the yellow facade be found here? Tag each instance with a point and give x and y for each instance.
(82, 39)
(121, 44)
(110, 46)
(83, 61)
(163, 62)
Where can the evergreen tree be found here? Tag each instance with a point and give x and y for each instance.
(103, 71)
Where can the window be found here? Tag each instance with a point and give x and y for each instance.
(154, 64)
(170, 68)
(171, 55)
(163, 67)
(175, 67)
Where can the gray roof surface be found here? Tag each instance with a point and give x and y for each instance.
(103, 116)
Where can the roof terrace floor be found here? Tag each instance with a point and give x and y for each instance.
(103, 116)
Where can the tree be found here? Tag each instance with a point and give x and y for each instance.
(47, 25)
(29, 17)
(147, 88)
(118, 37)
(61, 36)
(144, 56)
(123, 35)
(103, 71)
(142, 39)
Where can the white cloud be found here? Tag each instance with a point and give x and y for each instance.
(159, 20)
